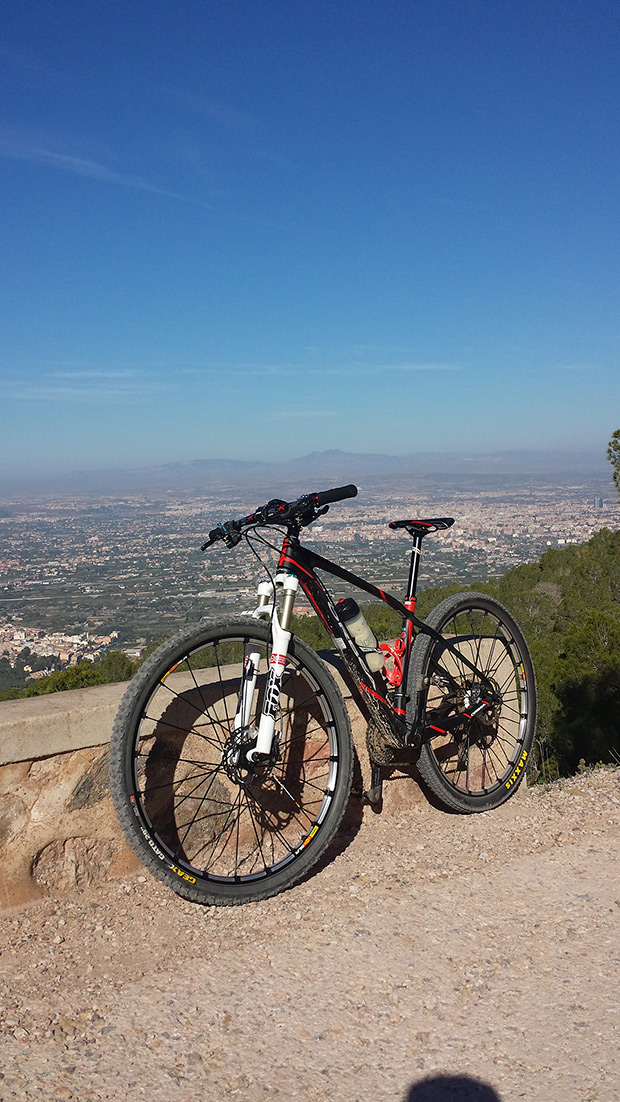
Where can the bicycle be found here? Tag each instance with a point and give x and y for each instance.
(231, 758)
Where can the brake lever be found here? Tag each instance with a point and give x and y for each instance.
(276, 510)
(230, 532)
(214, 535)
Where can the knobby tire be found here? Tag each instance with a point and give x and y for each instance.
(203, 818)
(472, 764)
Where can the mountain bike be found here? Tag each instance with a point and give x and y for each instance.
(232, 756)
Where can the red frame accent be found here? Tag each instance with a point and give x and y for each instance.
(373, 692)
(398, 652)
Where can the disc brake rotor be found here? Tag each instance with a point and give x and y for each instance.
(241, 769)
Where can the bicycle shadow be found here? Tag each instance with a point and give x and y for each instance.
(451, 1088)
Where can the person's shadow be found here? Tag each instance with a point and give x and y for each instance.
(451, 1088)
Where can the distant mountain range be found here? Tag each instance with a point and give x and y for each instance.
(320, 470)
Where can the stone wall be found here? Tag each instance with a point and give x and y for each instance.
(57, 824)
(58, 829)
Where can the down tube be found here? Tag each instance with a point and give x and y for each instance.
(390, 719)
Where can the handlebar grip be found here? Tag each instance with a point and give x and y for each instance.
(326, 497)
(214, 535)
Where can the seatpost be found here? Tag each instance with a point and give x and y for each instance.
(414, 567)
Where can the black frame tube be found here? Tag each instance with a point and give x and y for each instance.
(302, 562)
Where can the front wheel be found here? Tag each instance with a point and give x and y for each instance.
(475, 743)
(201, 814)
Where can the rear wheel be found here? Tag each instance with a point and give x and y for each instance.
(475, 742)
(201, 815)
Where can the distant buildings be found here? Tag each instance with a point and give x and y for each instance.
(69, 649)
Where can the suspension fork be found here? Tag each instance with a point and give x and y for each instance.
(281, 637)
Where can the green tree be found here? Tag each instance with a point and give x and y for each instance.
(311, 630)
(114, 666)
(586, 682)
(613, 455)
(383, 621)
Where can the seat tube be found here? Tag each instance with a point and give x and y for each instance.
(400, 699)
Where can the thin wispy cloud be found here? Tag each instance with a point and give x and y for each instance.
(289, 368)
(224, 114)
(39, 152)
(107, 387)
(74, 384)
(242, 133)
(451, 203)
(300, 412)
(43, 153)
(92, 375)
(585, 366)
(421, 367)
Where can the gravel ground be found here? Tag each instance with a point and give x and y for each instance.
(433, 957)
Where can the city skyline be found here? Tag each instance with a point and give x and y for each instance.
(246, 231)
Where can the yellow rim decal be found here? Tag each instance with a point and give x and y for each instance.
(171, 670)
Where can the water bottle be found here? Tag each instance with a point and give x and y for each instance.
(357, 626)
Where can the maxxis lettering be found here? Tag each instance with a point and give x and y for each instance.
(518, 770)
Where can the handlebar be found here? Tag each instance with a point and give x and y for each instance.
(327, 497)
(301, 512)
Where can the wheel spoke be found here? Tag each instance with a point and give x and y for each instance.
(231, 824)
(473, 748)
(183, 730)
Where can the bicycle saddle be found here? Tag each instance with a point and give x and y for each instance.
(423, 527)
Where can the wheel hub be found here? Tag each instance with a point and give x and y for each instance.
(483, 703)
(241, 769)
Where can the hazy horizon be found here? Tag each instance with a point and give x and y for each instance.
(332, 466)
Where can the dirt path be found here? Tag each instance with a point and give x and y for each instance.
(483, 947)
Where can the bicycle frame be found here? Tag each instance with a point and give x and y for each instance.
(297, 566)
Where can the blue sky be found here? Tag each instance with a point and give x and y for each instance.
(256, 228)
